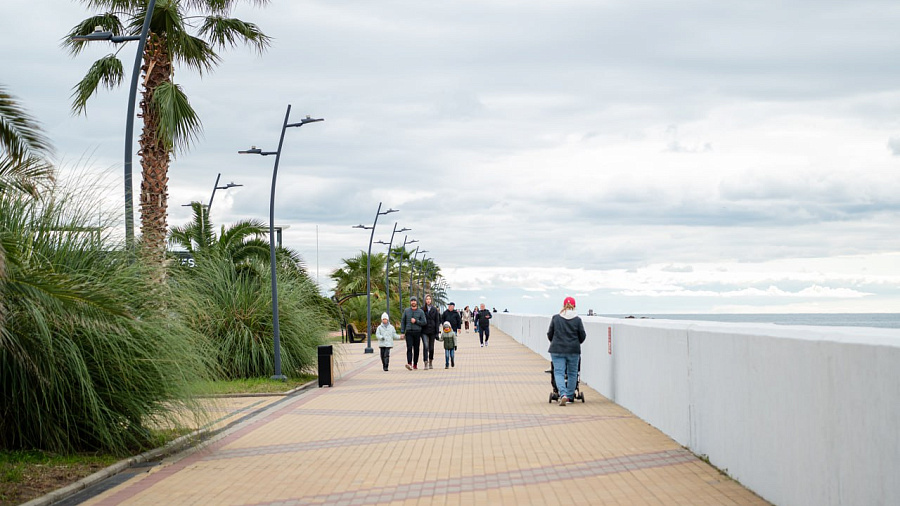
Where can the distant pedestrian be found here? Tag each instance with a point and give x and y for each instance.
(411, 327)
(448, 336)
(386, 335)
(566, 333)
(430, 331)
(452, 315)
(484, 325)
(466, 316)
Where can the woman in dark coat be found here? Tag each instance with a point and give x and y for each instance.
(566, 334)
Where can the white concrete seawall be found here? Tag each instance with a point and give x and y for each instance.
(801, 415)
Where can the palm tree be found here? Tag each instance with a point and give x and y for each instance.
(242, 242)
(351, 278)
(24, 149)
(187, 32)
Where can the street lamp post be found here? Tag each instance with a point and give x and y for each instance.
(256, 151)
(412, 268)
(369, 276)
(387, 267)
(100, 34)
(421, 264)
(400, 275)
(423, 273)
(217, 187)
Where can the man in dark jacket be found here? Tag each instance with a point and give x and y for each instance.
(452, 315)
(484, 325)
(411, 327)
(566, 333)
(431, 331)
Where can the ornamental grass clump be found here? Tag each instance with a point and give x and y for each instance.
(90, 354)
(231, 305)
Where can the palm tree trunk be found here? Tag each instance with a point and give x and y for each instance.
(154, 153)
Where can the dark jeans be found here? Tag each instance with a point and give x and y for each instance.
(429, 348)
(484, 333)
(412, 347)
(385, 356)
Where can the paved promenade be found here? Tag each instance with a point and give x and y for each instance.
(480, 433)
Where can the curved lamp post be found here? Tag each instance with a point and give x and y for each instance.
(400, 275)
(387, 267)
(217, 187)
(423, 275)
(421, 265)
(256, 151)
(412, 268)
(369, 276)
(100, 34)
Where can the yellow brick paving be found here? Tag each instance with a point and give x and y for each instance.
(482, 432)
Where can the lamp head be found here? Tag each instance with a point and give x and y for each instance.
(361, 226)
(252, 151)
(304, 121)
(404, 229)
(98, 34)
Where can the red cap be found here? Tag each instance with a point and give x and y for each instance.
(569, 300)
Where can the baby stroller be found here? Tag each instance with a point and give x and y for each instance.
(579, 395)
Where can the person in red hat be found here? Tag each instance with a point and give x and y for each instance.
(566, 334)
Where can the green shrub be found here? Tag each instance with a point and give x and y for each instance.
(231, 305)
(89, 354)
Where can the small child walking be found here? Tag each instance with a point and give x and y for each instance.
(385, 334)
(449, 339)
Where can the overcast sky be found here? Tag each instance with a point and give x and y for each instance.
(643, 156)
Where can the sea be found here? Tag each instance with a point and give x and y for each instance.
(878, 320)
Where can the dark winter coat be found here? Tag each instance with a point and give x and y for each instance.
(484, 318)
(433, 324)
(407, 326)
(453, 317)
(566, 334)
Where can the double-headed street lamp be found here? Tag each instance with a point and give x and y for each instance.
(423, 274)
(369, 275)
(412, 268)
(387, 267)
(400, 275)
(256, 151)
(217, 187)
(412, 273)
(100, 34)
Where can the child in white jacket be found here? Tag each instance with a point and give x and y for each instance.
(385, 334)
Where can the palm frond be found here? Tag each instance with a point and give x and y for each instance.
(179, 125)
(229, 32)
(117, 5)
(19, 133)
(26, 175)
(106, 71)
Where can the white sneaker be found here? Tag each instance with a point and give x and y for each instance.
(563, 400)
(482, 345)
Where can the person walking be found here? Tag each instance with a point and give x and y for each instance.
(484, 325)
(466, 316)
(411, 325)
(386, 335)
(451, 315)
(448, 336)
(566, 333)
(430, 331)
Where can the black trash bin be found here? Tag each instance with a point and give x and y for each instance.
(326, 366)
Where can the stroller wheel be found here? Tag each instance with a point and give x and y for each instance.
(580, 396)
(554, 396)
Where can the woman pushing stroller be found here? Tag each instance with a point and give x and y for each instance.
(566, 333)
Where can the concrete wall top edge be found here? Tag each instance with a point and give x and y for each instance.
(848, 335)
